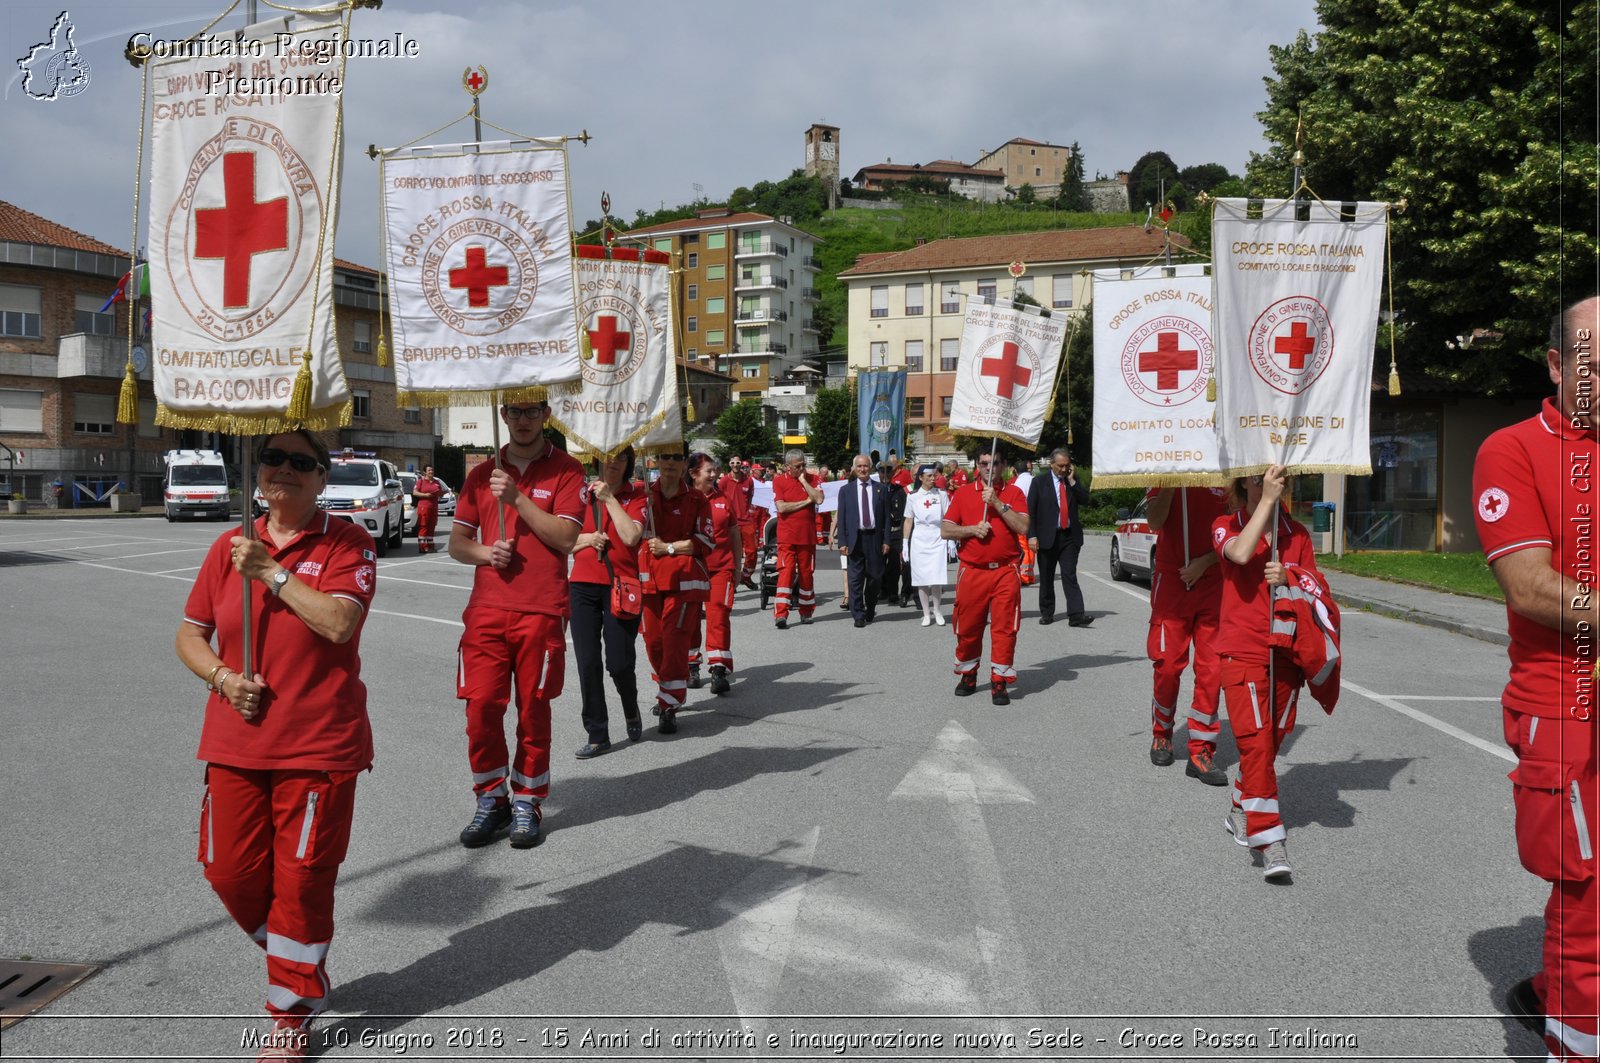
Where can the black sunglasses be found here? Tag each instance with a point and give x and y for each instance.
(272, 457)
(671, 457)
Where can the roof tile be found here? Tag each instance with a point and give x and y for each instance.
(25, 227)
(1056, 245)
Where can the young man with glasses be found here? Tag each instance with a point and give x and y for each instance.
(516, 520)
(985, 519)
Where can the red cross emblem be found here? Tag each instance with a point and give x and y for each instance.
(475, 80)
(607, 341)
(241, 227)
(477, 277)
(1492, 504)
(1008, 371)
(1166, 360)
(927, 503)
(1297, 345)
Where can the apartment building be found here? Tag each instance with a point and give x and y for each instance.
(745, 296)
(906, 309)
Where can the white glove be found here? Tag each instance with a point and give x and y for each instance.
(905, 552)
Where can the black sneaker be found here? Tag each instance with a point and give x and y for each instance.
(1524, 1005)
(967, 685)
(1161, 752)
(493, 814)
(781, 623)
(592, 748)
(694, 677)
(1202, 767)
(525, 820)
(998, 694)
(719, 679)
(669, 723)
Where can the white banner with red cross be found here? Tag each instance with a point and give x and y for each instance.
(1152, 358)
(479, 254)
(243, 200)
(1295, 323)
(630, 379)
(1006, 373)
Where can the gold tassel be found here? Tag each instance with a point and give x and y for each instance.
(1211, 387)
(1394, 381)
(688, 409)
(383, 351)
(128, 398)
(585, 351)
(300, 398)
(1069, 435)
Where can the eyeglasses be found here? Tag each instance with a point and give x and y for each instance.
(670, 457)
(272, 457)
(517, 413)
(982, 463)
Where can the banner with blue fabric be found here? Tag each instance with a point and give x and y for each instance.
(881, 411)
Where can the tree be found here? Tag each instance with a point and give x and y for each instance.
(1146, 178)
(1482, 118)
(1204, 177)
(1026, 195)
(831, 426)
(1071, 195)
(743, 429)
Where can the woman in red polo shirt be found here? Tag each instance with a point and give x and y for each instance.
(1260, 713)
(607, 548)
(283, 747)
(725, 565)
(672, 570)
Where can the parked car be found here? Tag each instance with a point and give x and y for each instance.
(196, 485)
(1133, 544)
(408, 480)
(365, 490)
(447, 501)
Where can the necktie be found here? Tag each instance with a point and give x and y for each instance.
(866, 509)
(1061, 495)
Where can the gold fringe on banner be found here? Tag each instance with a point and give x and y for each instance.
(438, 400)
(1163, 479)
(253, 424)
(128, 398)
(300, 396)
(584, 450)
(1294, 470)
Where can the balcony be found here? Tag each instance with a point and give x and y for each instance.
(753, 248)
(808, 325)
(80, 354)
(762, 348)
(811, 262)
(811, 294)
(758, 318)
(753, 281)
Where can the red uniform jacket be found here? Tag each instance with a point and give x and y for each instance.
(1305, 622)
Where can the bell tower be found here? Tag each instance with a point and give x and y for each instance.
(822, 158)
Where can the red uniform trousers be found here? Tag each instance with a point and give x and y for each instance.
(1555, 789)
(1179, 616)
(427, 522)
(271, 843)
(1027, 570)
(500, 645)
(750, 539)
(668, 623)
(1259, 725)
(718, 624)
(796, 567)
(988, 596)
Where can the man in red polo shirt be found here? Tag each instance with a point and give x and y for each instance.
(739, 488)
(1537, 506)
(985, 519)
(796, 496)
(1185, 605)
(516, 520)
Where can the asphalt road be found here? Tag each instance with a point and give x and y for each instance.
(837, 849)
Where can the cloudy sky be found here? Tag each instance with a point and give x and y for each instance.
(688, 93)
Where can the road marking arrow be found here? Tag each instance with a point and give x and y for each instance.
(755, 942)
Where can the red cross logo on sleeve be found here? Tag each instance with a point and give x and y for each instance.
(477, 277)
(607, 341)
(1008, 371)
(1297, 344)
(241, 228)
(1166, 360)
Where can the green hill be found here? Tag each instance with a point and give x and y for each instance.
(852, 231)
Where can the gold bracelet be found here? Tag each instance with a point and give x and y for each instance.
(209, 679)
(222, 683)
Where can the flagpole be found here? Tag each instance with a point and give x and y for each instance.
(247, 494)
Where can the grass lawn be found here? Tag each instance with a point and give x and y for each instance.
(1457, 573)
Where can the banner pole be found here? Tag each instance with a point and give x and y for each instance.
(248, 528)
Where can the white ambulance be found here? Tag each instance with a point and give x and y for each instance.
(196, 485)
(365, 490)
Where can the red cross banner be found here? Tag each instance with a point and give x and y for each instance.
(1006, 373)
(1152, 358)
(243, 201)
(630, 379)
(1296, 321)
(478, 245)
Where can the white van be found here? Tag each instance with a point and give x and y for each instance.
(196, 485)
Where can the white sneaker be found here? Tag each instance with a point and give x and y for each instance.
(938, 618)
(1275, 861)
(1235, 826)
(926, 620)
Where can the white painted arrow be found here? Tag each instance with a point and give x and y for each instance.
(755, 942)
(960, 773)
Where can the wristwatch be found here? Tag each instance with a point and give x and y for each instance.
(279, 578)
(672, 549)
(1005, 507)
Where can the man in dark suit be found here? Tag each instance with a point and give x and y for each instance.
(863, 519)
(894, 572)
(1056, 536)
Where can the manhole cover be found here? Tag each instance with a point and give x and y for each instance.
(27, 985)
